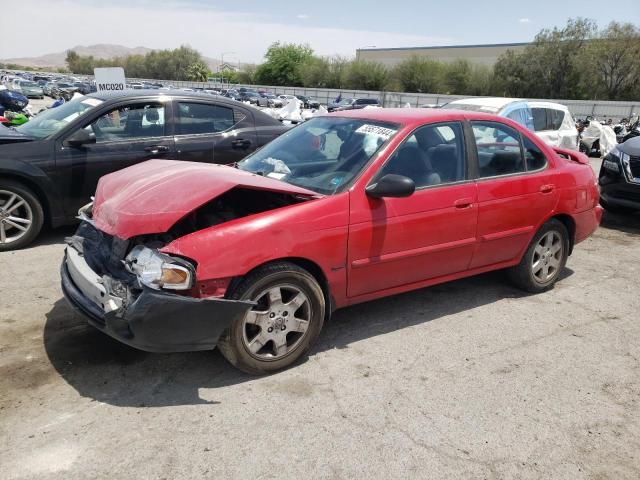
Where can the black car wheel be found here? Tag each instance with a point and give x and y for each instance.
(544, 260)
(284, 323)
(21, 216)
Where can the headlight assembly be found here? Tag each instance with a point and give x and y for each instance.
(158, 271)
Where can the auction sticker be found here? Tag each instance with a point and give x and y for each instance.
(376, 130)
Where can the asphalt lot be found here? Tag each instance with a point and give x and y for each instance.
(471, 379)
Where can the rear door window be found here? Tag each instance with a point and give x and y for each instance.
(540, 121)
(556, 117)
(499, 149)
(202, 118)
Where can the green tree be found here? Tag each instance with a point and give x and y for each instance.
(246, 76)
(612, 62)
(551, 66)
(283, 64)
(198, 72)
(457, 77)
(364, 75)
(420, 75)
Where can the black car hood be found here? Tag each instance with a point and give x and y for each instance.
(631, 147)
(9, 135)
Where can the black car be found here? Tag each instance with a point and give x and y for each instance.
(308, 102)
(50, 166)
(248, 96)
(353, 104)
(619, 178)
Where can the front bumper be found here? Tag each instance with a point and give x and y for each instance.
(616, 190)
(150, 320)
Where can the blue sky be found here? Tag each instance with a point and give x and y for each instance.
(247, 27)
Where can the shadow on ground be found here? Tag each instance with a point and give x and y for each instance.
(99, 367)
(624, 222)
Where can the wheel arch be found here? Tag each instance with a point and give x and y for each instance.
(310, 266)
(37, 190)
(570, 224)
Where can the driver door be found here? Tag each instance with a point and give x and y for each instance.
(395, 242)
(124, 135)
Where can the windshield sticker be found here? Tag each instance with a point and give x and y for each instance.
(93, 102)
(277, 176)
(376, 130)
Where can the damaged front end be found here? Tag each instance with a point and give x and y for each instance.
(125, 289)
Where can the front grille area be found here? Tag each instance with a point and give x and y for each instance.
(104, 253)
(634, 165)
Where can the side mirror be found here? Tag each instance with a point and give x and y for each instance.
(391, 185)
(79, 138)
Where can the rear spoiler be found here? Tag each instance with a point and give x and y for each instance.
(572, 155)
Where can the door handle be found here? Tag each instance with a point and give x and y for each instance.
(547, 188)
(241, 143)
(156, 149)
(463, 203)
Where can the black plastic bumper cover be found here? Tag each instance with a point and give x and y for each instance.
(158, 321)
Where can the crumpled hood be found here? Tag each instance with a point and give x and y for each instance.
(152, 196)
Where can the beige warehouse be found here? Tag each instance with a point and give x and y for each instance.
(476, 54)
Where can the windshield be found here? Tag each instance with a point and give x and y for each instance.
(64, 85)
(323, 154)
(347, 101)
(55, 119)
(28, 84)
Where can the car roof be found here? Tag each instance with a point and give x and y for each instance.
(259, 116)
(153, 93)
(413, 116)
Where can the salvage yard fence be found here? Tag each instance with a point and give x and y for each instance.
(599, 109)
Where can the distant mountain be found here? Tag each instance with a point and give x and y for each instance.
(102, 51)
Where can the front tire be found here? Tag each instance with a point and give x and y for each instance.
(21, 216)
(544, 260)
(282, 326)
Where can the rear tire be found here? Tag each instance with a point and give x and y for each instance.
(21, 216)
(285, 322)
(544, 260)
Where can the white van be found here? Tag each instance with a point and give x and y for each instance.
(551, 121)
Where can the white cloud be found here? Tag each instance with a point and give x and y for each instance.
(66, 23)
(303, 16)
(525, 20)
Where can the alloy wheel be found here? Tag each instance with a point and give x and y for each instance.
(547, 257)
(278, 322)
(16, 217)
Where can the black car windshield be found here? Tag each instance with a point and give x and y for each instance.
(347, 101)
(55, 119)
(323, 154)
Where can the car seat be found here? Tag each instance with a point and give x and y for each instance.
(444, 159)
(412, 162)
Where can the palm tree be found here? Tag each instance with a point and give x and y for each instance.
(198, 72)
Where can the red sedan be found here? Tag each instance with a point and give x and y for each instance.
(345, 208)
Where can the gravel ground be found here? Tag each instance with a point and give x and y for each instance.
(471, 379)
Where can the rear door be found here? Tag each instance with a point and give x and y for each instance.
(213, 133)
(515, 192)
(125, 134)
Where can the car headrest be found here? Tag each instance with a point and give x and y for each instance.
(505, 162)
(152, 115)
